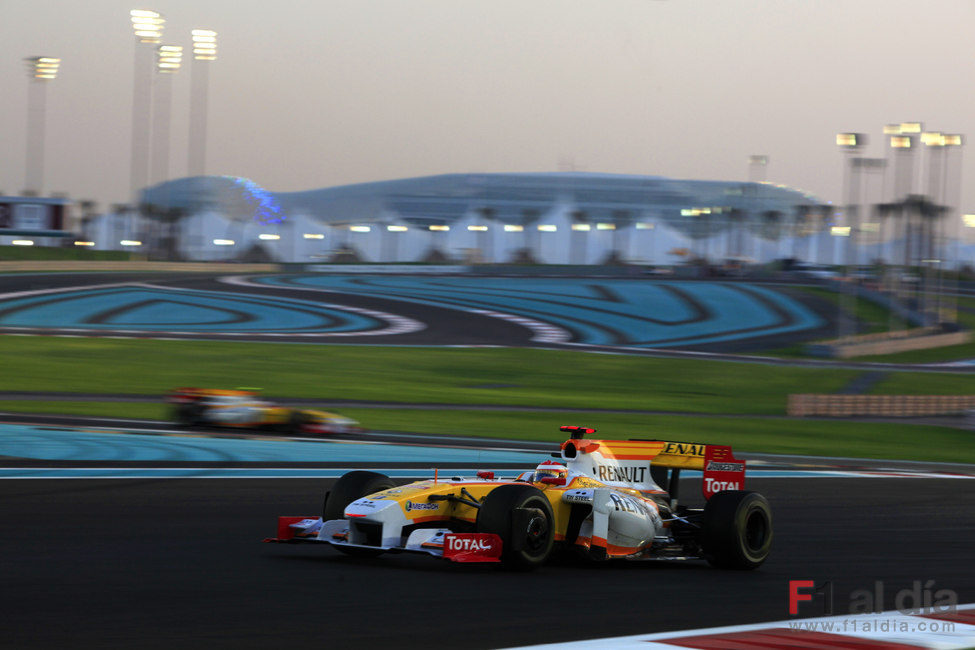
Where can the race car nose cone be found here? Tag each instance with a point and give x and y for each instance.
(368, 507)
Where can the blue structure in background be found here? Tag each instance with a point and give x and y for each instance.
(555, 217)
(266, 209)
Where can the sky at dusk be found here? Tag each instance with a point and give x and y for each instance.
(310, 94)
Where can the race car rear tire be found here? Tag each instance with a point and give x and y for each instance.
(737, 530)
(350, 487)
(522, 517)
(189, 415)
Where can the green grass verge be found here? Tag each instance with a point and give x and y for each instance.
(950, 353)
(873, 317)
(134, 410)
(879, 319)
(521, 377)
(466, 376)
(765, 435)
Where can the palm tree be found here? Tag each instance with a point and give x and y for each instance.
(88, 209)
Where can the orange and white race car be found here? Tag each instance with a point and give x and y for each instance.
(244, 410)
(602, 499)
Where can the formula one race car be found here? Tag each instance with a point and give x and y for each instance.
(601, 500)
(242, 409)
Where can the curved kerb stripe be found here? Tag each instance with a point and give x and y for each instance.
(541, 332)
(394, 324)
(397, 324)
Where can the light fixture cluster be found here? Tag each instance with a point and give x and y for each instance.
(697, 212)
(204, 44)
(43, 68)
(169, 58)
(905, 134)
(147, 25)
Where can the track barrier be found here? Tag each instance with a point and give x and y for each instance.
(804, 404)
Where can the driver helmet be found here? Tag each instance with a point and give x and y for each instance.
(550, 468)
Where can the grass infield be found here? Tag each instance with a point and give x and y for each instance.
(518, 377)
(739, 397)
(775, 435)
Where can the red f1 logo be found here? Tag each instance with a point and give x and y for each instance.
(795, 597)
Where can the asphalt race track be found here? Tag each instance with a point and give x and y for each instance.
(179, 563)
(149, 562)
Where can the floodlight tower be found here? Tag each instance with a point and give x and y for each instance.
(147, 26)
(850, 144)
(41, 70)
(168, 62)
(204, 51)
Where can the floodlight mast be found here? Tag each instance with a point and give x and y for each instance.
(850, 144)
(147, 26)
(168, 62)
(40, 70)
(204, 52)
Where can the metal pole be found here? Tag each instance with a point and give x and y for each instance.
(36, 112)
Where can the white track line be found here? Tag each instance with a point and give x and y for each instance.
(908, 630)
(396, 324)
(541, 332)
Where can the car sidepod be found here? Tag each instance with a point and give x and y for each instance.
(619, 524)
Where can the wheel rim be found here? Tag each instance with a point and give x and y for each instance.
(756, 531)
(536, 535)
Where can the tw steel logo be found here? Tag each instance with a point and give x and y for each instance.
(683, 449)
(621, 473)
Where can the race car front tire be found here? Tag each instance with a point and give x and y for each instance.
(522, 517)
(348, 488)
(295, 423)
(737, 530)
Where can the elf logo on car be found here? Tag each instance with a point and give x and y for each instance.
(683, 449)
(712, 485)
(420, 506)
(455, 543)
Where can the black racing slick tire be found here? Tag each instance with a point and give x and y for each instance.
(295, 423)
(189, 415)
(522, 517)
(348, 488)
(737, 530)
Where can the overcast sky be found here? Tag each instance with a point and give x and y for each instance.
(315, 93)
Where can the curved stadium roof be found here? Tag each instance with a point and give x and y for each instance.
(513, 197)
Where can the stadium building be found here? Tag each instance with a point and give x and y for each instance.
(549, 218)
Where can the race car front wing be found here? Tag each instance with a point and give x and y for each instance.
(438, 542)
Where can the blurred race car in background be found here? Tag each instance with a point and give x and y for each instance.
(602, 499)
(242, 409)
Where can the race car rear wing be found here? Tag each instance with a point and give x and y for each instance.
(186, 394)
(650, 465)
